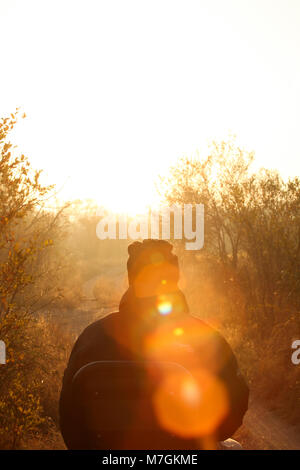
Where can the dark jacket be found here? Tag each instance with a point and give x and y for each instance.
(130, 335)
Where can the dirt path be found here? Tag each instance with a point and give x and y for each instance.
(262, 429)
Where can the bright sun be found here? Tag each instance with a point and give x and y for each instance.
(121, 90)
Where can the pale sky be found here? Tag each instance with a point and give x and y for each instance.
(115, 91)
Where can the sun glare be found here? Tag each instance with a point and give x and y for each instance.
(111, 105)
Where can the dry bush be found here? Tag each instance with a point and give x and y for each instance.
(70, 292)
(33, 377)
(108, 291)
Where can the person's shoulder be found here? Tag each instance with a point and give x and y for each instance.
(205, 329)
(100, 324)
(210, 336)
(198, 322)
(94, 331)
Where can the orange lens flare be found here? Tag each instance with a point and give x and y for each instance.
(178, 331)
(164, 307)
(191, 407)
(188, 342)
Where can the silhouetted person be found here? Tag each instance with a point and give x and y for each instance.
(153, 326)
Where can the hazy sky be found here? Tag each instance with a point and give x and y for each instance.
(116, 90)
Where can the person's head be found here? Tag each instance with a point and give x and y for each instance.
(152, 268)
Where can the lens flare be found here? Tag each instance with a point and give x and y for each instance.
(191, 406)
(178, 331)
(191, 392)
(165, 307)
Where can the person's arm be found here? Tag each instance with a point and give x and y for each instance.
(237, 388)
(69, 416)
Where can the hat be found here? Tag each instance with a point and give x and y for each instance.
(152, 267)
